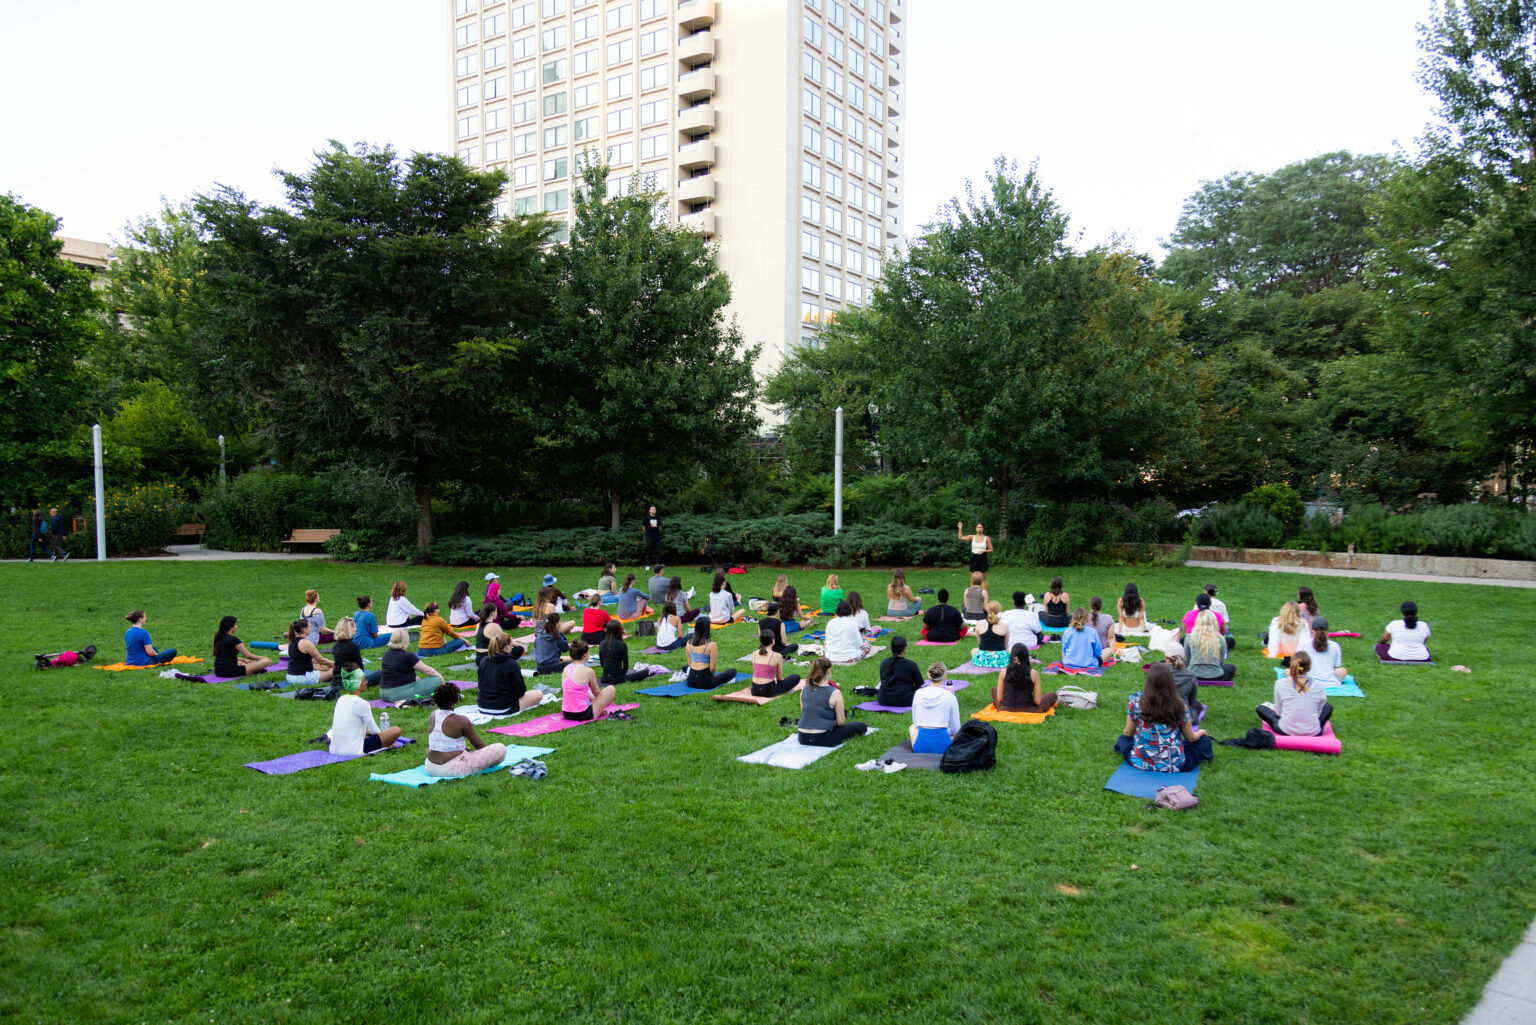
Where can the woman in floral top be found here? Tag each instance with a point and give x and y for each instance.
(1158, 736)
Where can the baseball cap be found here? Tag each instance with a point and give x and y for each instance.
(493, 576)
(1173, 650)
(549, 578)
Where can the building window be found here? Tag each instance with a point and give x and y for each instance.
(855, 293)
(654, 41)
(524, 112)
(810, 244)
(559, 167)
(855, 228)
(495, 151)
(654, 112)
(463, 6)
(856, 29)
(524, 80)
(496, 87)
(525, 205)
(653, 146)
(621, 16)
(496, 56)
(620, 51)
(856, 196)
(522, 15)
(618, 185)
(810, 313)
(470, 155)
(584, 96)
(523, 174)
(876, 140)
(855, 260)
(586, 128)
(584, 28)
(468, 94)
(833, 253)
(562, 232)
(496, 119)
(856, 129)
(554, 38)
(834, 151)
(877, 78)
(812, 31)
(464, 34)
(875, 268)
(653, 77)
(810, 279)
(834, 286)
(835, 83)
(553, 7)
(856, 163)
(522, 47)
(876, 44)
(620, 86)
(834, 218)
(652, 9)
(623, 153)
(556, 200)
(810, 173)
(467, 65)
(554, 103)
(495, 25)
(810, 138)
(835, 48)
(554, 71)
(875, 239)
(856, 62)
(524, 144)
(554, 136)
(876, 172)
(811, 65)
(810, 208)
(469, 126)
(586, 61)
(814, 5)
(499, 208)
(621, 119)
(810, 102)
(834, 185)
(835, 13)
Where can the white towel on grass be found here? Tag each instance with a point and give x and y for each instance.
(789, 753)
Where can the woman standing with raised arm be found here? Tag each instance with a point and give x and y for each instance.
(981, 548)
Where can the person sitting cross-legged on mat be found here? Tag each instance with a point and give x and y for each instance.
(1101, 624)
(437, 637)
(900, 677)
(973, 603)
(608, 583)
(549, 645)
(488, 629)
(1187, 682)
(353, 729)
(368, 633)
(1158, 734)
(1057, 602)
(823, 721)
(992, 639)
(447, 736)
(1306, 603)
(1205, 649)
(306, 666)
(545, 604)
(657, 586)
(1023, 625)
(669, 630)
(943, 623)
(1132, 612)
(230, 655)
(774, 625)
(1403, 640)
(613, 657)
(398, 680)
(316, 616)
(400, 612)
(580, 696)
(1326, 656)
(346, 650)
(677, 599)
(844, 641)
(789, 611)
(935, 713)
(140, 649)
(831, 595)
(1080, 647)
(702, 673)
(594, 620)
(860, 613)
(461, 607)
(502, 688)
(633, 602)
(1018, 686)
(1301, 707)
(722, 602)
(899, 598)
(1286, 633)
(768, 679)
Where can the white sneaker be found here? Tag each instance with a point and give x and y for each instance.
(868, 766)
(548, 697)
(895, 766)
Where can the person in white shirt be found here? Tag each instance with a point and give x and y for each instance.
(1218, 606)
(1023, 625)
(353, 728)
(1325, 656)
(844, 641)
(401, 612)
(935, 713)
(1403, 640)
(1286, 633)
(1301, 707)
(860, 613)
(722, 603)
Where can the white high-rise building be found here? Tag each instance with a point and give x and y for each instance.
(772, 126)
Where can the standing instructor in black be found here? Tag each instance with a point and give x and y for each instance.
(652, 538)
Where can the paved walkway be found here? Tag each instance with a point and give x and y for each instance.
(1510, 997)
(1425, 578)
(197, 553)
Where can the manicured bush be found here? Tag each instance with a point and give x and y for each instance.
(1476, 529)
(364, 545)
(1280, 500)
(256, 511)
(1237, 526)
(140, 520)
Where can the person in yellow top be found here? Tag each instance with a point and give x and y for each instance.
(437, 637)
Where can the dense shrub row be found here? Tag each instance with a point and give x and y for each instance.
(256, 511)
(1479, 530)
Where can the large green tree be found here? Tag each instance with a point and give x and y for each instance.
(50, 317)
(378, 314)
(1007, 358)
(809, 386)
(639, 376)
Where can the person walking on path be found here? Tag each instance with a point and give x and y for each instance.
(56, 533)
(652, 539)
(35, 536)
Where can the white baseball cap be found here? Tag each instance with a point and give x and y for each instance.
(493, 576)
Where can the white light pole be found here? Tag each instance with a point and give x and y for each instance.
(221, 459)
(837, 477)
(101, 495)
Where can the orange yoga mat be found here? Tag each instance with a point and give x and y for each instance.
(179, 660)
(992, 714)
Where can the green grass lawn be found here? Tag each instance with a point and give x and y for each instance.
(652, 878)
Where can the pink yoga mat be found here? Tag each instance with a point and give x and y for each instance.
(972, 669)
(936, 644)
(551, 723)
(1324, 744)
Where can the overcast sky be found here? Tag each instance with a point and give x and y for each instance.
(1126, 105)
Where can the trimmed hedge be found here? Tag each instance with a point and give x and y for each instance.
(1469, 529)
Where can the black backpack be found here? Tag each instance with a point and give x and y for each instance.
(974, 747)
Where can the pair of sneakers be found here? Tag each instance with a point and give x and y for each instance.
(881, 765)
(530, 767)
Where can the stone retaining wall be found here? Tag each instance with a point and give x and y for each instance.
(1429, 565)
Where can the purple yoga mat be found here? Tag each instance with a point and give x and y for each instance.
(875, 706)
(307, 760)
(278, 667)
(1215, 683)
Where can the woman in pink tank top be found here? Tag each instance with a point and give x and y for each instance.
(580, 697)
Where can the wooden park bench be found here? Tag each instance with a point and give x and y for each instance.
(310, 536)
(192, 530)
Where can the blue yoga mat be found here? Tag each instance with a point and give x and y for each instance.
(1141, 783)
(679, 690)
(416, 776)
(1346, 688)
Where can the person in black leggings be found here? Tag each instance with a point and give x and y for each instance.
(702, 673)
(822, 719)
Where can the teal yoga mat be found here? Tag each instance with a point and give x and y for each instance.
(416, 776)
(1141, 783)
(1346, 688)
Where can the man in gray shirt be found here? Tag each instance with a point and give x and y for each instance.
(657, 586)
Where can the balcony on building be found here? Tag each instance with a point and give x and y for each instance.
(698, 48)
(893, 42)
(702, 221)
(696, 190)
(696, 120)
(696, 85)
(693, 15)
(696, 154)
